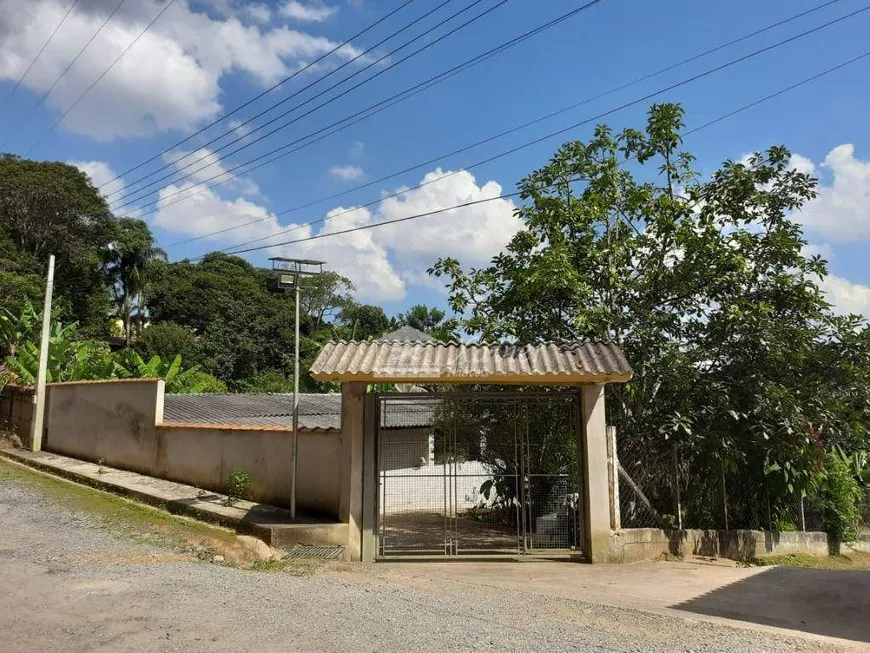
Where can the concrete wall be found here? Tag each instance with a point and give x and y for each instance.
(16, 410)
(634, 544)
(120, 423)
(405, 449)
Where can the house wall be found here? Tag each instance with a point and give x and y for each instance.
(120, 422)
(404, 449)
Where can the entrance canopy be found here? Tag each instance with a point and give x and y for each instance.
(549, 363)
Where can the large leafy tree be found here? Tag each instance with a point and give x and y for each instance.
(705, 286)
(52, 208)
(241, 329)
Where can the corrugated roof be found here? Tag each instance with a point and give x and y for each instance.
(316, 411)
(552, 363)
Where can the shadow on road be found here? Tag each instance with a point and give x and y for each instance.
(835, 603)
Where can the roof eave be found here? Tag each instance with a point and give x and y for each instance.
(489, 379)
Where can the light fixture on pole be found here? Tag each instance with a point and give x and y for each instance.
(291, 271)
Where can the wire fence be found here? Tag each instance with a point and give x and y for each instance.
(660, 486)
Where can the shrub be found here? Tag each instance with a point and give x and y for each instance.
(839, 495)
(167, 340)
(269, 380)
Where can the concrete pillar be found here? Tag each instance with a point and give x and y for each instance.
(593, 435)
(350, 505)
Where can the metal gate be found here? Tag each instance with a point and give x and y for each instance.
(470, 474)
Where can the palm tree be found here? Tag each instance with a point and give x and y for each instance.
(128, 255)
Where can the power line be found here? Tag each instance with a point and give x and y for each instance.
(694, 130)
(260, 95)
(42, 99)
(360, 115)
(240, 126)
(41, 50)
(366, 113)
(429, 83)
(510, 195)
(125, 200)
(573, 126)
(97, 80)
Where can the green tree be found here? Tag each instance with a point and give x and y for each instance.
(705, 287)
(131, 250)
(167, 339)
(52, 208)
(364, 321)
(240, 327)
(431, 321)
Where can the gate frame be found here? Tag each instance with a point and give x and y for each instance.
(590, 409)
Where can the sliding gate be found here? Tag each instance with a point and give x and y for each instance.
(470, 474)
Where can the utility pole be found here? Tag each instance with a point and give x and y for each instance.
(39, 408)
(290, 274)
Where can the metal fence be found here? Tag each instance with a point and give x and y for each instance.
(661, 486)
(468, 473)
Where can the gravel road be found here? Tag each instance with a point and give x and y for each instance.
(68, 585)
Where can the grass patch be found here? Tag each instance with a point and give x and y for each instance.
(130, 520)
(852, 560)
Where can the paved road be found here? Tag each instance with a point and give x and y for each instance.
(66, 585)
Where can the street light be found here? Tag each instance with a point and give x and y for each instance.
(291, 271)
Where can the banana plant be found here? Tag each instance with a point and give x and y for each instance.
(15, 329)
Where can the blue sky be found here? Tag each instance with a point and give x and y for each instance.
(203, 58)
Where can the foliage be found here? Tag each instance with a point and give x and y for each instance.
(167, 340)
(738, 363)
(131, 250)
(431, 321)
(363, 321)
(178, 380)
(17, 327)
(838, 493)
(266, 381)
(238, 488)
(52, 208)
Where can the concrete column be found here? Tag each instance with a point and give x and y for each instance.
(350, 506)
(593, 435)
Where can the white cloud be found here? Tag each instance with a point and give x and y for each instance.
(841, 212)
(802, 164)
(258, 13)
(825, 250)
(357, 148)
(472, 234)
(846, 296)
(170, 80)
(347, 173)
(100, 173)
(314, 12)
(381, 262)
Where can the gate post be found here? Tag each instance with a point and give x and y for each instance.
(595, 478)
(350, 505)
(369, 542)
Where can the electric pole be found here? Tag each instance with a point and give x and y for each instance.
(39, 408)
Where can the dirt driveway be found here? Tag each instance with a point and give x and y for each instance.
(77, 576)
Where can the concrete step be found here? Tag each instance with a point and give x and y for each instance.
(271, 524)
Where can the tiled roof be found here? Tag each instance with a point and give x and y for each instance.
(552, 363)
(316, 411)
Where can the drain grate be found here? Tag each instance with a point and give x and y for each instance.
(320, 552)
